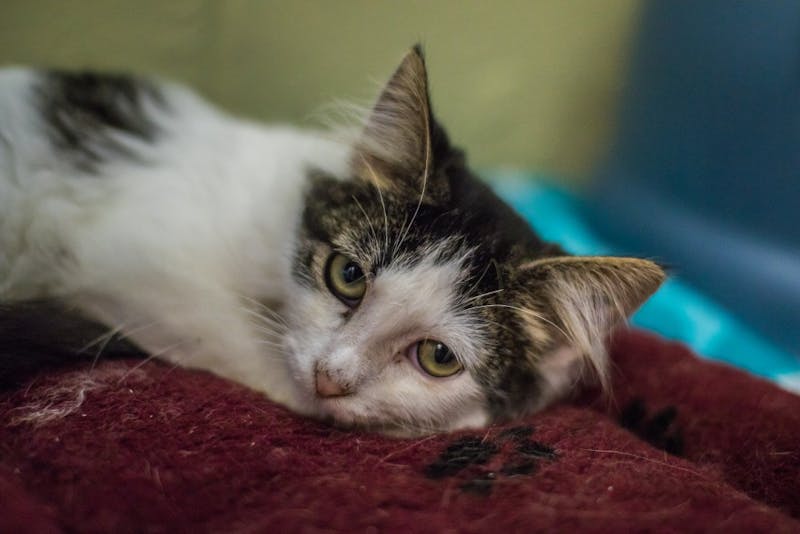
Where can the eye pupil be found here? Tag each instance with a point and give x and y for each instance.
(352, 273)
(345, 279)
(436, 359)
(442, 354)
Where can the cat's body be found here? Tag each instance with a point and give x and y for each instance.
(170, 228)
(313, 270)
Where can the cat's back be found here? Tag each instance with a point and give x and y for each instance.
(73, 144)
(58, 125)
(19, 138)
(16, 83)
(78, 122)
(16, 86)
(90, 159)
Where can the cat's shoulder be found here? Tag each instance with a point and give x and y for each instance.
(16, 84)
(82, 88)
(88, 117)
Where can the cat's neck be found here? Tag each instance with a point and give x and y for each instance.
(264, 184)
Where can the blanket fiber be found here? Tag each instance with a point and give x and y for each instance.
(686, 445)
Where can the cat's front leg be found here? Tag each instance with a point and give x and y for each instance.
(202, 329)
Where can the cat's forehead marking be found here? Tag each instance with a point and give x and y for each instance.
(425, 297)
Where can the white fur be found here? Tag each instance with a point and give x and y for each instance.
(401, 307)
(164, 250)
(174, 251)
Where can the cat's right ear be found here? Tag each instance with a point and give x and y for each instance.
(396, 149)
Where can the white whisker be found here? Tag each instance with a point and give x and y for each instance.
(366, 218)
(266, 321)
(375, 183)
(263, 307)
(482, 295)
(151, 357)
(525, 312)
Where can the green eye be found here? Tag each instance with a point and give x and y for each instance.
(436, 359)
(345, 279)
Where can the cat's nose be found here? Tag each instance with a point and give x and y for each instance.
(328, 387)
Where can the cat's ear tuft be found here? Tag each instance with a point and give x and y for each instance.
(579, 301)
(396, 147)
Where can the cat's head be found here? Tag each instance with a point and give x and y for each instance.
(424, 303)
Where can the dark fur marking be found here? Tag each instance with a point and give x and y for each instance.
(83, 111)
(353, 216)
(351, 212)
(36, 336)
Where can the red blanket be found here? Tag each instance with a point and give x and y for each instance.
(687, 445)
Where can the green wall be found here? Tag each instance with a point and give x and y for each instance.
(526, 84)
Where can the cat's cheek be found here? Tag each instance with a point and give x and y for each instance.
(311, 319)
(297, 372)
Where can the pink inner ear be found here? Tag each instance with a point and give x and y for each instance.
(561, 368)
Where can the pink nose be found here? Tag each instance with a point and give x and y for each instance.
(327, 387)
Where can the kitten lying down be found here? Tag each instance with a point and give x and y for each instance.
(376, 283)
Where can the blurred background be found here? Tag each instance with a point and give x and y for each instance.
(664, 129)
(529, 84)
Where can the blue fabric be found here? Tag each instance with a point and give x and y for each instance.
(704, 165)
(676, 311)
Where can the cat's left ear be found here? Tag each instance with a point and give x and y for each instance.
(573, 304)
(400, 141)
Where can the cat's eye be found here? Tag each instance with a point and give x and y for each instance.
(436, 359)
(345, 279)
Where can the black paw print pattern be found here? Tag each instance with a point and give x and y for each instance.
(658, 429)
(479, 461)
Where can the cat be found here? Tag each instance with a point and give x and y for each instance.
(376, 283)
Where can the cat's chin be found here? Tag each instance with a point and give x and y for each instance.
(332, 411)
(335, 413)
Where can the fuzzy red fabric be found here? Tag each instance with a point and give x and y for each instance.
(687, 445)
